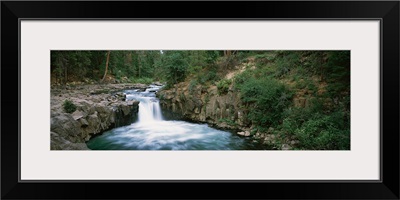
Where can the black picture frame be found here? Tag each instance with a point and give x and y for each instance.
(386, 11)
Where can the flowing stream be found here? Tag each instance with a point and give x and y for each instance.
(152, 132)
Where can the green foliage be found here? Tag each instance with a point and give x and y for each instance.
(323, 132)
(182, 97)
(77, 65)
(267, 98)
(338, 72)
(175, 66)
(211, 56)
(229, 62)
(69, 65)
(317, 128)
(142, 80)
(68, 106)
(208, 75)
(223, 86)
(241, 78)
(207, 98)
(266, 86)
(306, 84)
(286, 61)
(192, 86)
(194, 69)
(228, 121)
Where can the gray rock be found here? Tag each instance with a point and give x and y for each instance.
(286, 147)
(60, 143)
(247, 133)
(94, 114)
(157, 83)
(126, 109)
(84, 122)
(78, 114)
(244, 133)
(65, 126)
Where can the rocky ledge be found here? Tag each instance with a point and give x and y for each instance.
(98, 108)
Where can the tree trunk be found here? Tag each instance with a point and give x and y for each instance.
(227, 53)
(65, 75)
(140, 61)
(105, 72)
(128, 58)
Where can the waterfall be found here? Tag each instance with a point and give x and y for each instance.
(149, 110)
(149, 106)
(152, 132)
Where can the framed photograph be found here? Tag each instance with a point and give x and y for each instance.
(298, 98)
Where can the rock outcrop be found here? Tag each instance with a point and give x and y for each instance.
(94, 114)
(202, 104)
(224, 111)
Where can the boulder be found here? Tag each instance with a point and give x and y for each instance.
(286, 147)
(78, 114)
(83, 122)
(93, 124)
(65, 126)
(247, 133)
(60, 143)
(157, 83)
(244, 133)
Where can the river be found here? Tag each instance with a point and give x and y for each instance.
(152, 132)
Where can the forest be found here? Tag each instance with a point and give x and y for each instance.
(297, 100)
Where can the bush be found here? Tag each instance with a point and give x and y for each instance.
(223, 86)
(242, 78)
(207, 75)
(192, 86)
(317, 128)
(194, 69)
(323, 132)
(267, 98)
(286, 61)
(142, 80)
(69, 107)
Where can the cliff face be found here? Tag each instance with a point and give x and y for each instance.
(95, 113)
(203, 104)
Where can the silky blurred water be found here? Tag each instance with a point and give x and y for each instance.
(152, 132)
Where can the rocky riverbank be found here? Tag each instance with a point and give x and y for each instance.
(223, 111)
(98, 108)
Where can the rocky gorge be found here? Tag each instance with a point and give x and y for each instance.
(98, 108)
(223, 111)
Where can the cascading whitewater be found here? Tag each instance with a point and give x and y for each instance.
(149, 110)
(152, 132)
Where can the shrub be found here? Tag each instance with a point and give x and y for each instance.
(69, 107)
(285, 61)
(223, 86)
(209, 74)
(241, 78)
(267, 98)
(194, 69)
(192, 86)
(323, 132)
(317, 128)
(142, 80)
(230, 122)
